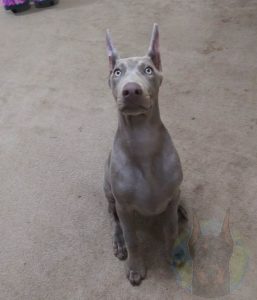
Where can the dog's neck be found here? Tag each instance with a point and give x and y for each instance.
(141, 136)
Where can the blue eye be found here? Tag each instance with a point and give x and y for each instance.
(117, 72)
(148, 71)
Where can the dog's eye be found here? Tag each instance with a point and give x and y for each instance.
(117, 72)
(148, 71)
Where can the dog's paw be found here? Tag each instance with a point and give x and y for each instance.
(135, 270)
(135, 277)
(119, 248)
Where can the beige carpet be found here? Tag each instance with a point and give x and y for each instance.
(58, 118)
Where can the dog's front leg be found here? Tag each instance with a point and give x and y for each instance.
(135, 268)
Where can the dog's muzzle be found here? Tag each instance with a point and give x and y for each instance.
(133, 98)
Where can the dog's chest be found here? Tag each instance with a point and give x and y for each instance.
(147, 185)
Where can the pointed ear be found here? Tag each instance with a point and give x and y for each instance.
(154, 50)
(196, 230)
(225, 233)
(111, 51)
(195, 235)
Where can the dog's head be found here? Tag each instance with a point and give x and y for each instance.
(211, 256)
(135, 81)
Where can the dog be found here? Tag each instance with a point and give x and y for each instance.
(211, 256)
(143, 172)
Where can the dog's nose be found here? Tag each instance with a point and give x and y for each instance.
(131, 89)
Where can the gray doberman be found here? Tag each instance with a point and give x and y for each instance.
(143, 171)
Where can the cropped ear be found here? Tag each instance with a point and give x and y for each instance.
(225, 233)
(196, 230)
(111, 51)
(154, 50)
(195, 235)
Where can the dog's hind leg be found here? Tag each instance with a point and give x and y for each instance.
(118, 242)
(183, 216)
(119, 247)
(175, 222)
(170, 229)
(182, 213)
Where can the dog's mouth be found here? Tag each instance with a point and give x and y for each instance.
(133, 110)
(134, 107)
